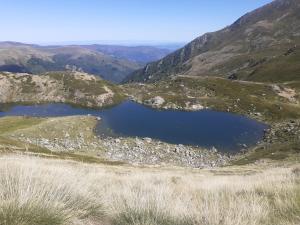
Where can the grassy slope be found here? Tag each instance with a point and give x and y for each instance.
(35, 191)
(221, 94)
(11, 127)
(280, 69)
(289, 151)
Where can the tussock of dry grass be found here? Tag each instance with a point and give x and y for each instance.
(37, 191)
(35, 194)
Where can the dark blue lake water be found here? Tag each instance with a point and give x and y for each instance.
(206, 128)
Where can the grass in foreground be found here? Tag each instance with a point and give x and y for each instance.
(35, 191)
(33, 195)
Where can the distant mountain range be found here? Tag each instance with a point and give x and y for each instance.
(139, 54)
(263, 45)
(110, 62)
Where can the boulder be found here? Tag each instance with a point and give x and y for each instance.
(156, 101)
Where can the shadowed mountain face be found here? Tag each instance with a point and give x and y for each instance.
(112, 63)
(262, 45)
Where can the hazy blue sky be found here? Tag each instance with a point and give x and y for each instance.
(135, 20)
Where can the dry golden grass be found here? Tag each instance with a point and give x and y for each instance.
(35, 191)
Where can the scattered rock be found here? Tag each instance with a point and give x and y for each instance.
(283, 132)
(148, 140)
(257, 114)
(197, 107)
(156, 101)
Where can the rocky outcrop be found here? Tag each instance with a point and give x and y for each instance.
(66, 87)
(153, 152)
(135, 150)
(282, 132)
(155, 102)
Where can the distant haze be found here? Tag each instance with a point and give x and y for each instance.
(159, 44)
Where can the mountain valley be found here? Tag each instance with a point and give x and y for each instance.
(208, 134)
(111, 63)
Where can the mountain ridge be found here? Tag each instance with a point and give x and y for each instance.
(114, 64)
(255, 37)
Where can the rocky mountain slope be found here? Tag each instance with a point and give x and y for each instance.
(112, 63)
(262, 45)
(65, 87)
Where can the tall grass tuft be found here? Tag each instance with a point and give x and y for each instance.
(34, 194)
(36, 191)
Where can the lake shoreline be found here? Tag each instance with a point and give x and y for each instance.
(129, 119)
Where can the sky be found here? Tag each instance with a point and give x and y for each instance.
(161, 21)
